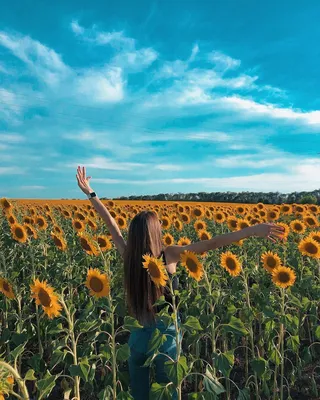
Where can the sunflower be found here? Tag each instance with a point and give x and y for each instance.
(180, 208)
(46, 297)
(204, 235)
(104, 242)
(88, 245)
(199, 225)
(57, 229)
(243, 223)
(19, 233)
(178, 225)
(315, 236)
(156, 270)
(185, 218)
(110, 203)
(168, 239)
(11, 218)
(67, 214)
(270, 261)
(283, 277)
(219, 217)
(92, 224)
(286, 209)
(166, 222)
(184, 241)
(6, 288)
(230, 263)
(311, 221)
(31, 232)
(112, 213)
(78, 225)
(122, 222)
(41, 222)
(197, 212)
(5, 204)
(254, 221)
(309, 247)
(240, 210)
(286, 229)
(59, 241)
(27, 220)
(272, 215)
(299, 209)
(33, 211)
(97, 283)
(92, 214)
(232, 223)
(190, 261)
(297, 226)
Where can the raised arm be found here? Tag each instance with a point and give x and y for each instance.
(102, 210)
(270, 231)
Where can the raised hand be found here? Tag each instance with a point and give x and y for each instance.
(269, 231)
(83, 180)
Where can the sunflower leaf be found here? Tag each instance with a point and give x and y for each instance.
(157, 339)
(244, 394)
(123, 352)
(224, 362)
(211, 384)
(235, 326)
(131, 324)
(192, 324)
(161, 391)
(176, 370)
(46, 385)
(259, 366)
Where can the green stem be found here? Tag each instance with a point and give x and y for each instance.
(282, 331)
(114, 353)
(17, 378)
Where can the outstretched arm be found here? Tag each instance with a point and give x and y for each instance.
(270, 231)
(102, 210)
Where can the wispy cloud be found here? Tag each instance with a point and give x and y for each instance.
(32, 187)
(11, 170)
(223, 61)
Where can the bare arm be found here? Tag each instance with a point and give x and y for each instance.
(102, 210)
(269, 231)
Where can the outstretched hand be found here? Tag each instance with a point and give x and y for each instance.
(83, 180)
(269, 230)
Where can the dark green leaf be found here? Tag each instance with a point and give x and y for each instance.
(259, 366)
(317, 332)
(123, 352)
(176, 370)
(19, 338)
(124, 396)
(131, 324)
(17, 351)
(161, 391)
(211, 384)
(224, 362)
(36, 362)
(192, 324)
(244, 394)
(157, 339)
(57, 357)
(46, 385)
(236, 326)
(29, 376)
(293, 343)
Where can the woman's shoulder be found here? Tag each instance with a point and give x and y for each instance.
(169, 260)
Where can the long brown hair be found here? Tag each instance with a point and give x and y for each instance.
(144, 237)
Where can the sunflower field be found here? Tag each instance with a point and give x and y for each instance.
(249, 312)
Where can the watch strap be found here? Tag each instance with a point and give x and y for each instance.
(92, 194)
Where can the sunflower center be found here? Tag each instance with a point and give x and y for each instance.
(57, 241)
(121, 222)
(44, 298)
(231, 264)
(204, 236)
(154, 269)
(298, 227)
(271, 262)
(96, 284)
(311, 221)
(40, 222)
(311, 248)
(102, 242)
(6, 286)
(192, 265)
(19, 233)
(283, 277)
(78, 225)
(233, 224)
(85, 245)
(197, 212)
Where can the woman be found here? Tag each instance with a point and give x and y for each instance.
(145, 237)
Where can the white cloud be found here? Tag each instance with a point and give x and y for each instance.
(101, 86)
(222, 61)
(136, 60)
(108, 164)
(10, 105)
(169, 167)
(11, 171)
(210, 136)
(76, 28)
(11, 138)
(43, 61)
(32, 187)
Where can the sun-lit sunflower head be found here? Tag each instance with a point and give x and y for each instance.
(45, 296)
(219, 217)
(97, 283)
(184, 241)
(41, 222)
(232, 223)
(168, 239)
(286, 209)
(270, 261)
(297, 226)
(5, 204)
(180, 209)
(199, 224)
(286, 229)
(11, 219)
(185, 218)
(311, 221)
(88, 244)
(315, 236)
(19, 233)
(240, 210)
(31, 232)
(299, 209)
(6, 288)
(272, 215)
(192, 264)
(58, 230)
(243, 223)
(121, 221)
(260, 206)
(59, 241)
(178, 225)
(104, 243)
(67, 214)
(78, 225)
(309, 247)
(230, 263)
(156, 270)
(283, 277)
(197, 212)
(204, 234)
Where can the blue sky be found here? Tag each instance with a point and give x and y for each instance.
(159, 96)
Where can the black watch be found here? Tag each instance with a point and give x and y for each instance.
(92, 194)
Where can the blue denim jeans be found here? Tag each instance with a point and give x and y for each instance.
(139, 375)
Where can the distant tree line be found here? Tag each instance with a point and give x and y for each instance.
(234, 197)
